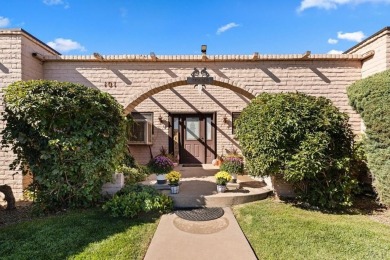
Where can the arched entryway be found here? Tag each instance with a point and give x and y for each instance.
(195, 127)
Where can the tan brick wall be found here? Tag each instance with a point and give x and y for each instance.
(318, 76)
(10, 71)
(16, 63)
(132, 79)
(388, 51)
(32, 68)
(381, 59)
(186, 99)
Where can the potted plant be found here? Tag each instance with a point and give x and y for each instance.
(173, 158)
(160, 165)
(222, 178)
(233, 165)
(173, 178)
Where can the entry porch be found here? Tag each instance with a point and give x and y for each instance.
(198, 188)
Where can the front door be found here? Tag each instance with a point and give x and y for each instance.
(193, 138)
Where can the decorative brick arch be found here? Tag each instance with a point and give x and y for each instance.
(168, 84)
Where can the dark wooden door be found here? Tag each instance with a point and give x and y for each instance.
(193, 138)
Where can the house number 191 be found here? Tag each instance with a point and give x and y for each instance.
(110, 84)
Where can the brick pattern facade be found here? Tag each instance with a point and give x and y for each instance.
(379, 43)
(142, 84)
(17, 63)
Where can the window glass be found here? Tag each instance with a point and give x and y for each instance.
(175, 136)
(192, 128)
(142, 128)
(235, 116)
(208, 128)
(138, 133)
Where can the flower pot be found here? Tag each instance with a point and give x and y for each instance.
(175, 189)
(221, 188)
(234, 177)
(161, 178)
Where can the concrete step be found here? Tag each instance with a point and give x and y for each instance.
(198, 189)
(227, 199)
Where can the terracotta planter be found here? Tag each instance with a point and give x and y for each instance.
(161, 178)
(221, 188)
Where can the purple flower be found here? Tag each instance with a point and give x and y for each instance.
(160, 165)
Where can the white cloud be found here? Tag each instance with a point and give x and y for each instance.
(65, 45)
(332, 41)
(354, 36)
(123, 12)
(335, 52)
(333, 4)
(4, 22)
(53, 2)
(226, 27)
(56, 2)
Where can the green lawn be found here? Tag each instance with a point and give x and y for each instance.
(87, 234)
(282, 231)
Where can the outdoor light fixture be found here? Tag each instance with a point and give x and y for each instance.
(160, 119)
(225, 120)
(203, 49)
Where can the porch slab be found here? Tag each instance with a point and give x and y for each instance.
(198, 189)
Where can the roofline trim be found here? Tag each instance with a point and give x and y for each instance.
(387, 28)
(201, 58)
(22, 31)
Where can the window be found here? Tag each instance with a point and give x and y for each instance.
(235, 116)
(192, 128)
(142, 128)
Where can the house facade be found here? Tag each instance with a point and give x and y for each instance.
(188, 103)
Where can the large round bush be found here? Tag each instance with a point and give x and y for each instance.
(304, 139)
(371, 98)
(69, 136)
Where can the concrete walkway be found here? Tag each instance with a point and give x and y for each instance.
(221, 238)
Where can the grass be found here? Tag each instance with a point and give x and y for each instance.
(282, 231)
(87, 234)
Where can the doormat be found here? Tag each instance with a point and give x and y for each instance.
(192, 165)
(202, 214)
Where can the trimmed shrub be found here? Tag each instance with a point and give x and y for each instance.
(135, 174)
(133, 200)
(371, 98)
(304, 139)
(69, 136)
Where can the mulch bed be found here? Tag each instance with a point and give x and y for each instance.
(20, 214)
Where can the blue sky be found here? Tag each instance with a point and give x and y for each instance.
(182, 26)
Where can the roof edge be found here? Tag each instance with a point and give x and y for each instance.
(387, 28)
(22, 31)
(201, 58)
